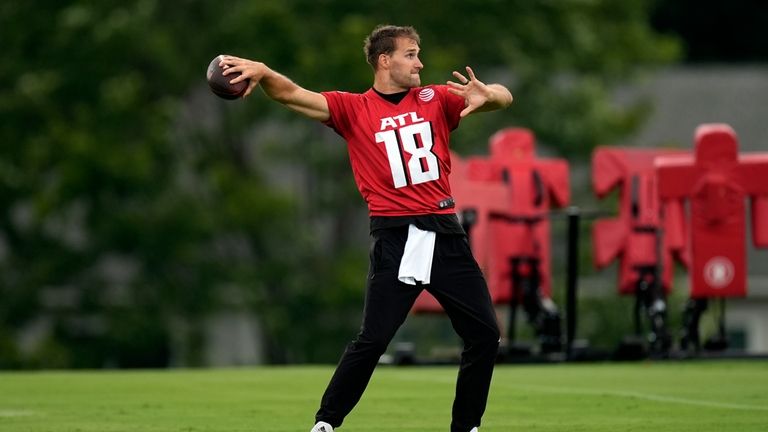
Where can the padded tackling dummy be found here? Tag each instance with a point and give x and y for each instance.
(510, 195)
(535, 186)
(632, 236)
(717, 181)
(475, 199)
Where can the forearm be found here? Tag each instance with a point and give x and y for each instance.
(277, 86)
(281, 89)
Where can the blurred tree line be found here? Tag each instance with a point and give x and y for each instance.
(135, 204)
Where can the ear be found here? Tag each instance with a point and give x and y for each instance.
(384, 60)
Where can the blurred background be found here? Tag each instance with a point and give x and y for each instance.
(146, 223)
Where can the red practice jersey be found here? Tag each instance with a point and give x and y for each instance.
(399, 152)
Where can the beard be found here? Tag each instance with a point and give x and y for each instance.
(407, 80)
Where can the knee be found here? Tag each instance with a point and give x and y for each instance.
(489, 338)
(369, 345)
(494, 337)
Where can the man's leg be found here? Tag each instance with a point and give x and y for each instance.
(387, 303)
(459, 286)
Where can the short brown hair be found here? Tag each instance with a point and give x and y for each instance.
(382, 41)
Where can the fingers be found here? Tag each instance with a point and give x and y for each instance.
(231, 64)
(237, 79)
(464, 80)
(471, 74)
(241, 70)
(461, 91)
(457, 89)
(454, 85)
(227, 64)
(252, 85)
(228, 59)
(468, 110)
(460, 77)
(235, 66)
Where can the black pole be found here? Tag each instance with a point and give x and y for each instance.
(722, 322)
(572, 271)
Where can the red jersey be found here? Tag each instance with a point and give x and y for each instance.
(399, 152)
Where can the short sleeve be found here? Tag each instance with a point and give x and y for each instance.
(341, 109)
(453, 105)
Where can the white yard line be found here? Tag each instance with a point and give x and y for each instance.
(15, 413)
(639, 395)
(603, 392)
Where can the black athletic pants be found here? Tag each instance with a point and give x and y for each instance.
(458, 284)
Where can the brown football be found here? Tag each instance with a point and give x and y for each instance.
(219, 83)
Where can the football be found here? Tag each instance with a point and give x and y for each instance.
(219, 83)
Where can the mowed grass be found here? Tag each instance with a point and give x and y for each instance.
(649, 396)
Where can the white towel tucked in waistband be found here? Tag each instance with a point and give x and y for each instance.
(416, 264)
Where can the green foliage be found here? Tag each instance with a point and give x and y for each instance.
(94, 184)
(134, 202)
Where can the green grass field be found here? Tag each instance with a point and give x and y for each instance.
(650, 396)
